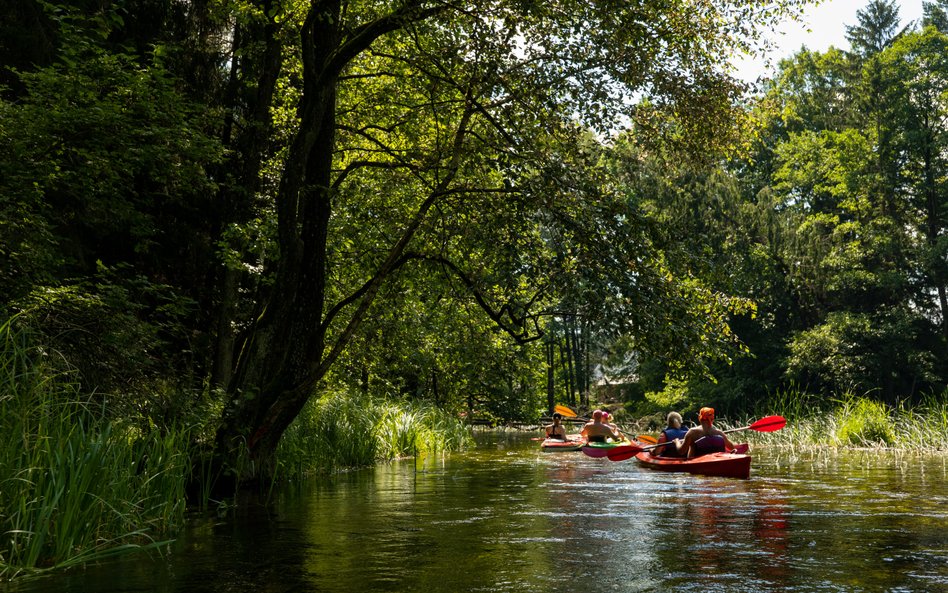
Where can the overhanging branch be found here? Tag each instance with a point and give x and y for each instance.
(517, 328)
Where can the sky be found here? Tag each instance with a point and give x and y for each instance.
(822, 26)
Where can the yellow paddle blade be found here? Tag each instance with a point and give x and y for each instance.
(645, 438)
(564, 411)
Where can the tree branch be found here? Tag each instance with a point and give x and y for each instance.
(364, 35)
(368, 291)
(518, 331)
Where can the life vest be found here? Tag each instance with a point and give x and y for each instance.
(674, 433)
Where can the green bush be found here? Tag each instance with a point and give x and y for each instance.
(864, 422)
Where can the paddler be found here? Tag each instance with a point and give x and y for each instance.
(556, 430)
(607, 419)
(595, 431)
(672, 432)
(705, 438)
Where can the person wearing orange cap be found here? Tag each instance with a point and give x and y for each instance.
(596, 431)
(704, 438)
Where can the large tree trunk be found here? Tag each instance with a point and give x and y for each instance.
(286, 354)
(279, 364)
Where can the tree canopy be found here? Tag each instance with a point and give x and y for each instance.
(476, 203)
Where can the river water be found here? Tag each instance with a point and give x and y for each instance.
(506, 517)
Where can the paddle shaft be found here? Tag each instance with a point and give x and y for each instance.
(767, 424)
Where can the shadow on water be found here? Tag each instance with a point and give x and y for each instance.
(506, 517)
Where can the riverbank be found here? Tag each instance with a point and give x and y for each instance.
(77, 487)
(505, 517)
(859, 422)
(81, 483)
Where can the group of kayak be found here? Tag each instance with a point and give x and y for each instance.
(704, 449)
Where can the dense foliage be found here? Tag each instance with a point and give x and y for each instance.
(218, 210)
(223, 207)
(241, 238)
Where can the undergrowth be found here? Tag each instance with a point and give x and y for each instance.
(339, 430)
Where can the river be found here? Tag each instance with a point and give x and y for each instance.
(506, 517)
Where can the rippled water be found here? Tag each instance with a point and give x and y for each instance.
(507, 517)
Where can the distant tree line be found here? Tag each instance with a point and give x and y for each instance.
(835, 222)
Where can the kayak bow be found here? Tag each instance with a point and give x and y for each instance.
(602, 449)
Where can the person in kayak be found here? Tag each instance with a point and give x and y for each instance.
(606, 417)
(671, 433)
(556, 430)
(705, 438)
(596, 432)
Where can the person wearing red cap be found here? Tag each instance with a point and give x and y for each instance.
(704, 438)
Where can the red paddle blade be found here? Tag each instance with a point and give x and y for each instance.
(623, 452)
(769, 424)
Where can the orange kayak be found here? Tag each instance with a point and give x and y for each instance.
(735, 464)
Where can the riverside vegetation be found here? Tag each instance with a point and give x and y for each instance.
(243, 241)
(79, 483)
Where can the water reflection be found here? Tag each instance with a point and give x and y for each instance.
(509, 518)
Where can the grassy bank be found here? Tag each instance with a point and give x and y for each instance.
(78, 483)
(74, 487)
(857, 421)
(340, 430)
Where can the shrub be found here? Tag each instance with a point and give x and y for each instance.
(865, 422)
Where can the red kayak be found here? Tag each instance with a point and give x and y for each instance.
(573, 442)
(736, 464)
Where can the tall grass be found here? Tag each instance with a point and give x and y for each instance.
(339, 430)
(925, 425)
(857, 421)
(75, 487)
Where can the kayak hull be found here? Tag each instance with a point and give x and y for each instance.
(602, 449)
(724, 465)
(573, 442)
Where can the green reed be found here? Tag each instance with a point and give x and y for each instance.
(925, 425)
(75, 487)
(339, 430)
(857, 421)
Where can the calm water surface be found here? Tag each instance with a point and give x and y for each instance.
(506, 517)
